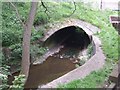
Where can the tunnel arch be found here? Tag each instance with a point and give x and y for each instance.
(87, 27)
(70, 36)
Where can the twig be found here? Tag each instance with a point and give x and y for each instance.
(46, 9)
(74, 9)
(17, 13)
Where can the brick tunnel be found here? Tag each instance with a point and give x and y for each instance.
(71, 36)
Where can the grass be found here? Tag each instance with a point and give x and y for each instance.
(93, 80)
(109, 38)
(59, 12)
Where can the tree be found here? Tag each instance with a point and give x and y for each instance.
(26, 39)
(26, 36)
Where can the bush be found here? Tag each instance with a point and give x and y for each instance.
(36, 51)
(16, 54)
(37, 34)
(16, 51)
(41, 18)
(10, 37)
(11, 27)
(18, 83)
(4, 72)
(90, 51)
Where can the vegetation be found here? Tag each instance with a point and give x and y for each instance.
(90, 51)
(12, 35)
(18, 83)
(109, 45)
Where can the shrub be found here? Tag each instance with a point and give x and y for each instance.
(18, 83)
(90, 51)
(16, 52)
(4, 72)
(37, 34)
(10, 37)
(37, 51)
(41, 18)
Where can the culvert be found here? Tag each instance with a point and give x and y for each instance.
(64, 48)
(72, 36)
(39, 70)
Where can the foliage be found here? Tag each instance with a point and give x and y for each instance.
(37, 51)
(111, 47)
(16, 55)
(55, 11)
(79, 30)
(97, 78)
(1, 58)
(83, 60)
(18, 83)
(16, 50)
(9, 38)
(41, 18)
(109, 38)
(12, 36)
(90, 50)
(37, 34)
(11, 28)
(4, 72)
(3, 76)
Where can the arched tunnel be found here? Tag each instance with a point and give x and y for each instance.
(72, 36)
(72, 39)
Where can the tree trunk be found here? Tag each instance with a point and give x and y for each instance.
(26, 39)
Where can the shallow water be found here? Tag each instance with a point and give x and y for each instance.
(51, 69)
(60, 59)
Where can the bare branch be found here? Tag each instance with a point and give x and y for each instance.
(17, 13)
(46, 9)
(74, 9)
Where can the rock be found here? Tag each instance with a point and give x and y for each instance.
(61, 56)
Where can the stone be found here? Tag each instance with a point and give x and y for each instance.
(114, 75)
(111, 86)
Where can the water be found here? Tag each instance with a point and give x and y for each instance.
(53, 67)
(64, 48)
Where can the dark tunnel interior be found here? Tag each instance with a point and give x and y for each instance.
(62, 60)
(71, 36)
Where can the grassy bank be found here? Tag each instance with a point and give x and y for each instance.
(109, 39)
(12, 34)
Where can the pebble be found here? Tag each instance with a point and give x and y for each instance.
(61, 56)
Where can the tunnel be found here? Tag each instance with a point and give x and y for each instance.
(72, 36)
(73, 39)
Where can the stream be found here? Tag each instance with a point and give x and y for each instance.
(65, 46)
(54, 66)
